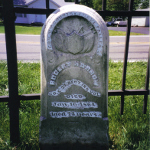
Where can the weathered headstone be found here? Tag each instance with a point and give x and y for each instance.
(74, 74)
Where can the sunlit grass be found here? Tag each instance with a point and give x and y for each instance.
(37, 30)
(127, 131)
(27, 29)
(121, 33)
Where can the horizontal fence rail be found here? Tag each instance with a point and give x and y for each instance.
(8, 11)
(106, 13)
(110, 93)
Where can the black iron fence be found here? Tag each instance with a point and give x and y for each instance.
(8, 11)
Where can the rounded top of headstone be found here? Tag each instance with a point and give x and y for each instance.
(76, 8)
(74, 29)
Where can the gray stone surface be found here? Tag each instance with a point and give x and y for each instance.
(74, 80)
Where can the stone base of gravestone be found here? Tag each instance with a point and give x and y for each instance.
(75, 146)
(74, 80)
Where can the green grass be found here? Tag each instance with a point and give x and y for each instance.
(28, 29)
(121, 33)
(37, 30)
(129, 131)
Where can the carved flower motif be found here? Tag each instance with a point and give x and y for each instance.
(75, 40)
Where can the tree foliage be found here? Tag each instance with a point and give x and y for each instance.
(116, 5)
(144, 4)
(97, 4)
(0, 12)
(88, 3)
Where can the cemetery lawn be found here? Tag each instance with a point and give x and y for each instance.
(127, 131)
(28, 29)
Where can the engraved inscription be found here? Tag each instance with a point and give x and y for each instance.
(75, 96)
(68, 83)
(69, 64)
(75, 105)
(66, 114)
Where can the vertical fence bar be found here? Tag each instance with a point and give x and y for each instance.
(47, 7)
(12, 70)
(104, 7)
(76, 1)
(146, 88)
(126, 55)
(126, 52)
(122, 105)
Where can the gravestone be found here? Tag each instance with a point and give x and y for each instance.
(74, 80)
